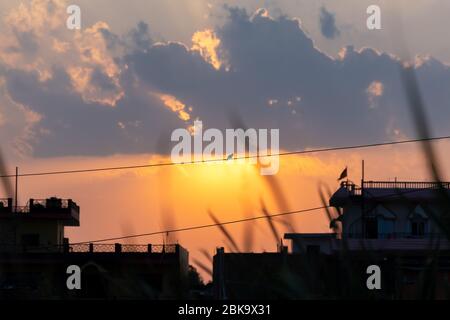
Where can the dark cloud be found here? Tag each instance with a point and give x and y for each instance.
(274, 59)
(328, 24)
(140, 36)
(101, 80)
(74, 127)
(136, 40)
(27, 43)
(320, 101)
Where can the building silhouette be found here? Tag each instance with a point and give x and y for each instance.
(35, 255)
(384, 216)
(398, 226)
(37, 227)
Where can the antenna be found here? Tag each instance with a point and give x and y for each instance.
(15, 193)
(362, 173)
(363, 215)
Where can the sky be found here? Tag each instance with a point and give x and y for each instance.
(111, 93)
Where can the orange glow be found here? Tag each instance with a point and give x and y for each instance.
(176, 106)
(375, 89)
(117, 203)
(207, 43)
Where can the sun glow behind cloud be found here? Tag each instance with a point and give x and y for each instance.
(176, 106)
(207, 43)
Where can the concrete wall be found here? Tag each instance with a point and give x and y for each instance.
(51, 233)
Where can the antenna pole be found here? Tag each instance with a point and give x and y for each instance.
(362, 175)
(15, 195)
(363, 214)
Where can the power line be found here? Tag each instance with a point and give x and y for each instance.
(268, 216)
(161, 164)
(204, 226)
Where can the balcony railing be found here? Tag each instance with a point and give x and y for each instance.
(94, 248)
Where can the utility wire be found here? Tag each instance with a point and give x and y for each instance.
(161, 164)
(269, 216)
(224, 159)
(204, 226)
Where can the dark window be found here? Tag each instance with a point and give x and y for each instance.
(31, 240)
(371, 228)
(418, 228)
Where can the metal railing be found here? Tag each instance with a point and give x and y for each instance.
(94, 248)
(396, 235)
(40, 205)
(125, 248)
(351, 187)
(51, 203)
(405, 185)
(355, 190)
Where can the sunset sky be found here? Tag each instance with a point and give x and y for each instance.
(111, 93)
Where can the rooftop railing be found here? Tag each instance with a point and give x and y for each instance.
(397, 235)
(149, 248)
(406, 185)
(39, 205)
(51, 203)
(94, 248)
(353, 189)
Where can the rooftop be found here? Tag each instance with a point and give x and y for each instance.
(52, 208)
(422, 191)
(310, 235)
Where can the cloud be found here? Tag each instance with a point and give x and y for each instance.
(35, 39)
(374, 91)
(101, 93)
(16, 124)
(328, 24)
(274, 59)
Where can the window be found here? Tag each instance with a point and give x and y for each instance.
(418, 222)
(386, 228)
(31, 239)
(381, 223)
(418, 228)
(371, 227)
